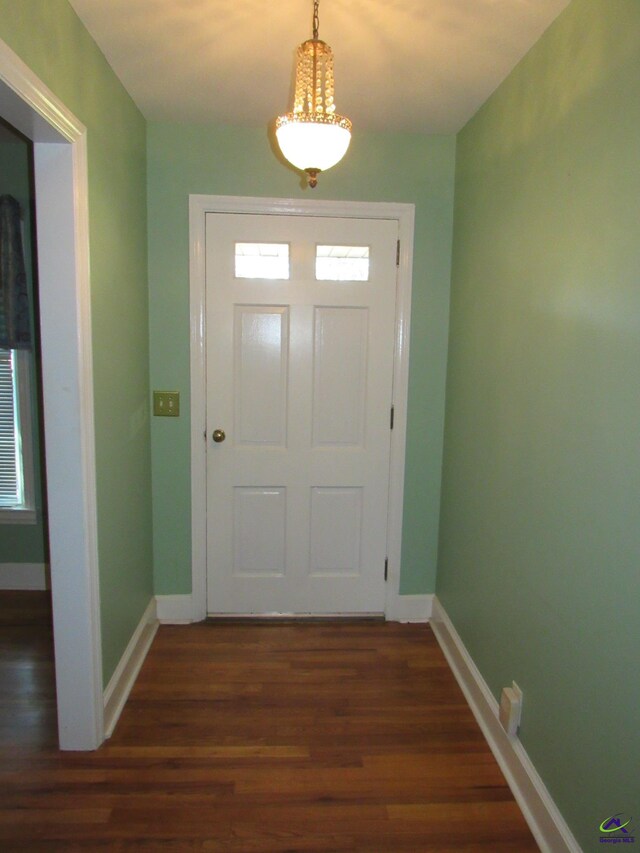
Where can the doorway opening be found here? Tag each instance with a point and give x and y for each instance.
(26, 672)
(60, 168)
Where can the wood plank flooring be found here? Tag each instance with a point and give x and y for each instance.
(254, 738)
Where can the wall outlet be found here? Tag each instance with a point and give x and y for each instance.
(511, 709)
(166, 404)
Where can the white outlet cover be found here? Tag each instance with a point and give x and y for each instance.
(510, 708)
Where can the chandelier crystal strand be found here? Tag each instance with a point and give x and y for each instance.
(313, 137)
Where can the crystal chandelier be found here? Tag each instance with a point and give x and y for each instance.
(313, 137)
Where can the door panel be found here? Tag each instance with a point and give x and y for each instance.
(340, 376)
(261, 357)
(259, 531)
(336, 531)
(299, 376)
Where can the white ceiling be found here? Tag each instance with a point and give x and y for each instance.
(414, 65)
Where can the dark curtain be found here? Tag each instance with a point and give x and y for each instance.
(15, 324)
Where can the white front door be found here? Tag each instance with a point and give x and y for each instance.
(300, 315)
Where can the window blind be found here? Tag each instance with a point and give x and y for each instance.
(10, 468)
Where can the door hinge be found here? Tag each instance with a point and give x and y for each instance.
(398, 253)
(392, 417)
(386, 568)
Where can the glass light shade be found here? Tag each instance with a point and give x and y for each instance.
(313, 137)
(311, 145)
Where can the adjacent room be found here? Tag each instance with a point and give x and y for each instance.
(327, 494)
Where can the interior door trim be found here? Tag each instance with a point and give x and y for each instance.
(199, 206)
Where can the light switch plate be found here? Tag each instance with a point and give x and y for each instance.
(166, 404)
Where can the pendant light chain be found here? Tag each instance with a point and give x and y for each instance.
(316, 19)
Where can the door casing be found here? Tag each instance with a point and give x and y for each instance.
(199, 206)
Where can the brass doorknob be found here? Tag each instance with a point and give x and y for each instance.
(219, 435)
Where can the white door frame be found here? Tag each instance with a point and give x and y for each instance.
(60, 155)
(199, 206)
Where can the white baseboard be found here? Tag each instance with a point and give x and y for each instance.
(541, 813)
(174, 609)
(117, 690)
(409, 608)
(24, 576)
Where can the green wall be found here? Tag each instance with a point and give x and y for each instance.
(184, 160)
(23, 543)
(540, 540)
(50, 39)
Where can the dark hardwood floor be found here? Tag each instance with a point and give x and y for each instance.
(27, 691)
(255, 738)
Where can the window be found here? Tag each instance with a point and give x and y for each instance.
(342, 263)
(262, 260)
(16, 454)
